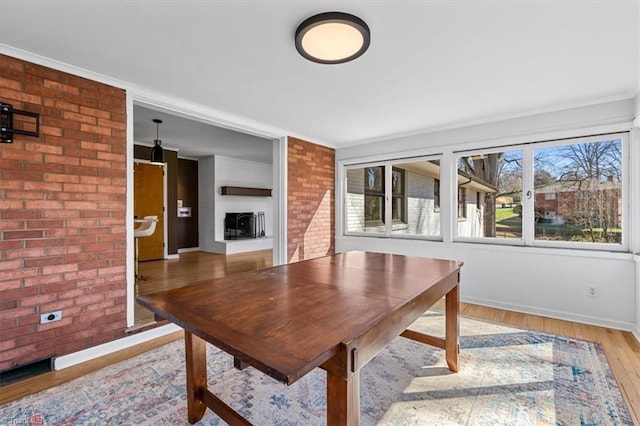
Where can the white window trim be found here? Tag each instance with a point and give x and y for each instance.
(528, 224)
(388, 165)
(448, 184)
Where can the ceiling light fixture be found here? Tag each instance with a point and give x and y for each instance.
(332, 38)
(157, 153)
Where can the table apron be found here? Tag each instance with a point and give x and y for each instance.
(357, 353)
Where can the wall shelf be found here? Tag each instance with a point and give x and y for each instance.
(251, 192)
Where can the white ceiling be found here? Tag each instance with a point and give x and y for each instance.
(195, 139)
(431, 64)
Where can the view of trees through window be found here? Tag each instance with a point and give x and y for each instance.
(501, 172)
(577, 191)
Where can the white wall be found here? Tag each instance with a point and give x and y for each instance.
(206, 206)
(550, 282)
(237, 172)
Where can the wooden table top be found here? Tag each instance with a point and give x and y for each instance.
(289, 319)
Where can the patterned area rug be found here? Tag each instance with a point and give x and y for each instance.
(508, 376)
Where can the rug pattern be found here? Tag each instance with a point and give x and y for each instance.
(508, 376)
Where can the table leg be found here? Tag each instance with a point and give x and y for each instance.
(196, 360)
(452, 331)
(343, 400)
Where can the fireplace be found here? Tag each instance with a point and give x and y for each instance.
(239, 226)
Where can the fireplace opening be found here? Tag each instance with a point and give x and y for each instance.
(238, 226)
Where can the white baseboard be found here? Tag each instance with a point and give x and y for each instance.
(75, 358)
(187, 250)
(172, 256)
(636, 332)
(550, 313)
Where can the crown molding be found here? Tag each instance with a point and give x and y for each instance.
(63, 66)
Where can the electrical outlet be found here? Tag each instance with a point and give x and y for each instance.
(50, 317)
(591, 292)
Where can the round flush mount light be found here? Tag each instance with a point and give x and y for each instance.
(332, 38)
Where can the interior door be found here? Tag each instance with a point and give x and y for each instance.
(148, 196)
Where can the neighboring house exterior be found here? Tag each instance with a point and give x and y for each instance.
(574, 200)
(415, 200)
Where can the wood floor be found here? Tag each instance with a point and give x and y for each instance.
(191, 267)
(621, 348)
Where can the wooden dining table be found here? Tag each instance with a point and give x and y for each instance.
(335, 313)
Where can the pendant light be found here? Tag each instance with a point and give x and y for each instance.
(157, 153)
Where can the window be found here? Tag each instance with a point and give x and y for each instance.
(568, 193)
(374, 196)
(495, 178)
(462, 202)
(578, 192)
(557, 193)
(408, 185)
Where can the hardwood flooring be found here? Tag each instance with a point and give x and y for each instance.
(621, 348)
(191, 267)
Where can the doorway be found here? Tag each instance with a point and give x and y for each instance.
(149, 200)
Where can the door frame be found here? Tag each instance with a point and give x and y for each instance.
(165, 242)
(179, 107)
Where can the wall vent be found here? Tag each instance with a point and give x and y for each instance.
(25, 371)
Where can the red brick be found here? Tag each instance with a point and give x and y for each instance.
(50, 130)
(66, 88)
(42, 186)
(43, 205)
(10, 184)
(37, 299)
(44, 261)
(20, 96)
(83, 147)
(58, 269)
(17, 313)
(58, 305)
(60, 214)
(21, 235)
(11, 224)
(11, 204)
(34, 336)
(73, 293)
(40, 167)
(24, 195)
(14, 331)
(81, 274)
(40, 224)
(47, 148)
(49, 242)
(61, 159)
(12, 245)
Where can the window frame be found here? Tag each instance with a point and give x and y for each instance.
(461, 198)
(528, 202)
(389, 166)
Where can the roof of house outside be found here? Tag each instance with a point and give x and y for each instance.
(578, 185)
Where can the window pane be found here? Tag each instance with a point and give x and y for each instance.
(365, 200)
(578, 192)
(489, 195)
(414, 209)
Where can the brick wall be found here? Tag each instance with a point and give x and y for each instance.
(62, 215)
(311, 200)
